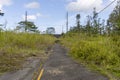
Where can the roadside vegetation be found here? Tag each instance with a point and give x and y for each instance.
(16, 47)
(101, 53)
(96, 44)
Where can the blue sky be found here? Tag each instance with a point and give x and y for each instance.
(50, 13)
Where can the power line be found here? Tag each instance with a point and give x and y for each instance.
(106, 7)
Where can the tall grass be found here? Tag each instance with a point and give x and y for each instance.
(16, 47)
(99, 52)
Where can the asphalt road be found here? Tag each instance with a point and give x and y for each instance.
(60, 66)
(26, 73)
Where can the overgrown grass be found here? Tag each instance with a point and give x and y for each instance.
(16, 47)
(101, 53)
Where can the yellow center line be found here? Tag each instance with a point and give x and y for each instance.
(40, 75)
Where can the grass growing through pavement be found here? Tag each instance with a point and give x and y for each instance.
(101, 53)
(16, 47)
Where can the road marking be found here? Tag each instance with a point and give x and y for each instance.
(40, 75)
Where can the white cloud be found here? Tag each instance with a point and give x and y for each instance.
(39, 15)
(5, 3)
(85, 5)
(32, 17)
(0, 7)
(32, 5)
(69, 0)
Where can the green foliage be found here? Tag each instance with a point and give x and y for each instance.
(27, 26)
(114, 18)
(97, 44)
(94, 25)
(50, 30)
(100, 51)
(16, 47)
(1, 13)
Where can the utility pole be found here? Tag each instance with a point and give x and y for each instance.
(26, 21)
(62, 29)
(26, 16)
(67, 22)
(5, 26)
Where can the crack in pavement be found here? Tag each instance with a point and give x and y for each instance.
(60, 66)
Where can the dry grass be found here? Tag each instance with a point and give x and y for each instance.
(16, 47)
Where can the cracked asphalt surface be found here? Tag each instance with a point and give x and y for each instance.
(60, 66)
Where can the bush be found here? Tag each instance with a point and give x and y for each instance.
(101, 51)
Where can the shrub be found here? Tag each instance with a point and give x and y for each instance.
(101, 51)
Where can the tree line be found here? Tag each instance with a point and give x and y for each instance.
(28, 26)
(96, 25)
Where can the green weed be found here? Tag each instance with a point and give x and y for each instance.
(102, 52)
(16, 47)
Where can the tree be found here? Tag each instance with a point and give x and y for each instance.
(50, 30)
(88, 27)
(114, 18)
(1, 14)
(76, 28)
(95, 22)
(102, 28)
(93, 25)
(78, 21)
(27, 26)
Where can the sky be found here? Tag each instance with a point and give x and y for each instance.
(51, 13)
